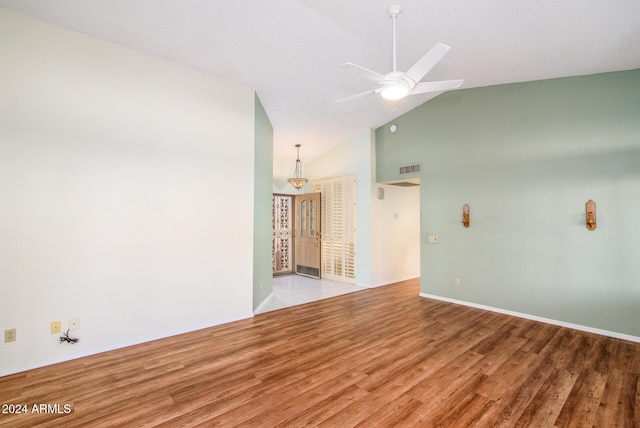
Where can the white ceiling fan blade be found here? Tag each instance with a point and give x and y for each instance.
(443, 85)
(356, 96)
(364, 72)
(426, 63)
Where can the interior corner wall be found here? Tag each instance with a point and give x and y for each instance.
(116, 204)
(527, 157)
(263, 201)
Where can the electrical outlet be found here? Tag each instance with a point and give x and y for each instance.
(10, 335)
(457, 282)
(74, 323)
(56, 326)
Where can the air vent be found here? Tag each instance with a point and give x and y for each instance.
(308, 271)
(410, 169)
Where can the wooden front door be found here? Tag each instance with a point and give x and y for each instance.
(307, 234)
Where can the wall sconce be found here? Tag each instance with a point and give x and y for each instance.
(465, 215)
(590, 208)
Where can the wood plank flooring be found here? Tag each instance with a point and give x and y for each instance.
(375, 358)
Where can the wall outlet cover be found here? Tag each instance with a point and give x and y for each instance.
(56, 326)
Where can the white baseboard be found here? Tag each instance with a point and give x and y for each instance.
(382, 284)
(587, 329)
(30, 365)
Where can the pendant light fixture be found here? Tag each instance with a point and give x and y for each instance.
(297, 180)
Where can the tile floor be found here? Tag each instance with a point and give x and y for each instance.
(292, 290)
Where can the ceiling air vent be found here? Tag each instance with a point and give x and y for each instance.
(410, 169)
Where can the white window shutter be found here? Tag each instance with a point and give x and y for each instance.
(338, 209)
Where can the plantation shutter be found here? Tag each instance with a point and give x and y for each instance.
(338, 208)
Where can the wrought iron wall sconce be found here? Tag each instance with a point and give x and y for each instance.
(590, 208)
(465, 215)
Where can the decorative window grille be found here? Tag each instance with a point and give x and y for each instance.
(282, 246)
(338, 228)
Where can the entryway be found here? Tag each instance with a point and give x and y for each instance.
(314, 234)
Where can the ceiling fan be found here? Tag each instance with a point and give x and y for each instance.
(396, 84)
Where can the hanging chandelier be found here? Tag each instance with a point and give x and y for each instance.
(297, 181)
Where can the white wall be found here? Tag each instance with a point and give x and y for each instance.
(352, 158)
(395, 234)
(115, 203)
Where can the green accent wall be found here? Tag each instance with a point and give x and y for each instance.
(263, 230)
(527, 157)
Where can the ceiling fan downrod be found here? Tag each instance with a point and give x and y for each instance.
(394, 11)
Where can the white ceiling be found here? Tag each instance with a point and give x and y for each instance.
(290, 51)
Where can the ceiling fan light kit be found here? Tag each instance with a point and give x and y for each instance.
(394, 92)
(396, 85)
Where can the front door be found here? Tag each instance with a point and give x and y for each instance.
(307, 234)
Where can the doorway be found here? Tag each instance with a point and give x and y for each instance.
(314, 234)
(307, 234)
(296, 223)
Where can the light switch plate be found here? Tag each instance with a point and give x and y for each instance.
(74, 323)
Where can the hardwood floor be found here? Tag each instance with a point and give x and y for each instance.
(374, 358)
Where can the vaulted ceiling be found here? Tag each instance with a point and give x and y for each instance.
(290, 51)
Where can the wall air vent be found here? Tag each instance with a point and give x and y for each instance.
(410, 169)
